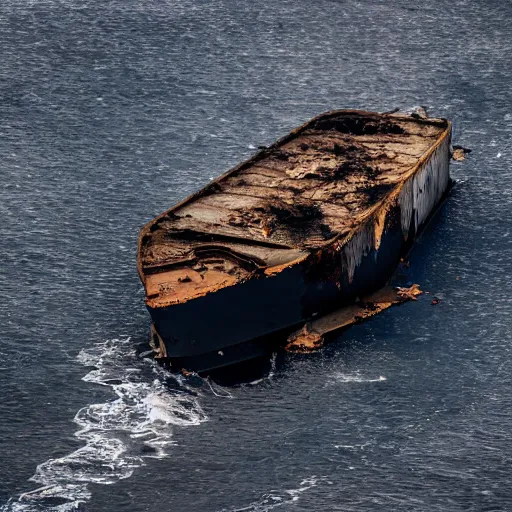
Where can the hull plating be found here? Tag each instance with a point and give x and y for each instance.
(229, 325)
(233, 323)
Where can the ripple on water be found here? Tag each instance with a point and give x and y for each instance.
(274, 499)
(354, 376)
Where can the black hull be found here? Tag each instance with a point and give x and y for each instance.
(247, 321)
(241, 322)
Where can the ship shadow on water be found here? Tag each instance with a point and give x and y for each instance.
(254, 371)
(251, 371)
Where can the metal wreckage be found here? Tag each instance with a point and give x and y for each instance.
(278, 244)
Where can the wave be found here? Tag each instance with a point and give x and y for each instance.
(338, 377)
(118, 434)
(274, 499)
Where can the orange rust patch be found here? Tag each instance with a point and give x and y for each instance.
(380, 222)
(305, 340)
(314, 186)
(459, 153)
(409, 293)
(311, 337)
(180, 285)
(157, 344)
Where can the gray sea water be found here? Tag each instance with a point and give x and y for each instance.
(113, 110)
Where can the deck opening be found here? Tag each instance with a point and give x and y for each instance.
(358, 125)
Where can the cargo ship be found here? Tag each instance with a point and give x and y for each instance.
(306, 225)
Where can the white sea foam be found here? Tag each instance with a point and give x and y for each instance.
(118, 435)
(274, 499)
(353, 447)
(218, 391)
(356, 376)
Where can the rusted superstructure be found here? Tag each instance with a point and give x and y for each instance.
(313, 221)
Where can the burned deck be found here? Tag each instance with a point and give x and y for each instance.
(314, 186)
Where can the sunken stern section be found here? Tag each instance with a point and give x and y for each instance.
(306, 225)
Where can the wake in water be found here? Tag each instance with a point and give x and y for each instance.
(119, 434)
(275, 499)
(340, 377)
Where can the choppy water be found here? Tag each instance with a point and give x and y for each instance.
(112, 111)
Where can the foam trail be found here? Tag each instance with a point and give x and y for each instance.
(118, 435)
(274, 499)
(338, 377)
(224, 393)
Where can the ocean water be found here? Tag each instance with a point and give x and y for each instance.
(113, 110)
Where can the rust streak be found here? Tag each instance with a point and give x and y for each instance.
(312, 336)
(317, 186)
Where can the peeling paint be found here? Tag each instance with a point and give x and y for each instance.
(406, 203)
(326, 187)
(430, 182)
(380, 222)
(357, 248)
(311, 337)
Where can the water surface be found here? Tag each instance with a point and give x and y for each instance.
(111, 112)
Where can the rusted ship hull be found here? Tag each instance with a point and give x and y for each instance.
(234, 323)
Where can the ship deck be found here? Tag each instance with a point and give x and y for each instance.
(315, 185)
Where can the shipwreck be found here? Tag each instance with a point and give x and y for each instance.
(311, 223)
